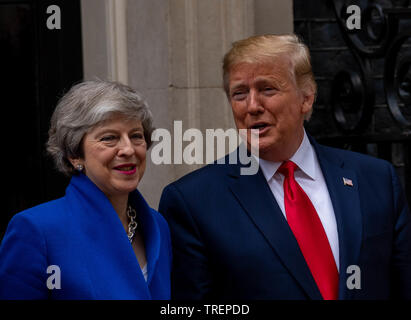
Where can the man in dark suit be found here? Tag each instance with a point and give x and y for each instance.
(314, 222)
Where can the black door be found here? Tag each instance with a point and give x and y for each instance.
(37, 66)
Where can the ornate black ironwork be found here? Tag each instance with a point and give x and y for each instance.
(348, 99)
(379, 36)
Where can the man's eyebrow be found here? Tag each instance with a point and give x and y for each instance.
(237, 85)
(271, 80)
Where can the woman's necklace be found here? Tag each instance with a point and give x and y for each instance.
(132, 225)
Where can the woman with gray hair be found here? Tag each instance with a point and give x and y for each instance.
(101, 240)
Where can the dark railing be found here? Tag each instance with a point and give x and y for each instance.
(379, 37)
(378, 79)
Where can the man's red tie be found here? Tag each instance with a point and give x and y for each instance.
(309, 232)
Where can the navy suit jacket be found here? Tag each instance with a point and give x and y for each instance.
(82, 235)
(231, 240)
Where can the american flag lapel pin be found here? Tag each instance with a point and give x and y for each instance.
(348, 182)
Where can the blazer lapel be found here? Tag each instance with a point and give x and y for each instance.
(255, 196)
(121, 277)
(346, 204)
(151, 233)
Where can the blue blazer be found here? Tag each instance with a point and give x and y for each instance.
(82, 235)
(231, 240)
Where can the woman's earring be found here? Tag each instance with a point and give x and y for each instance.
(79, 167)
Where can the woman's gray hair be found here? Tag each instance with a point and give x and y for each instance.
(83, 107)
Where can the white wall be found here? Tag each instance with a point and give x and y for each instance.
(171, 51)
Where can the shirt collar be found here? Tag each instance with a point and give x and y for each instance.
(304, 158)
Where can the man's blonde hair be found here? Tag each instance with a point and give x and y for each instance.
(269, 48)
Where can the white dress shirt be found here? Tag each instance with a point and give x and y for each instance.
(310, 177)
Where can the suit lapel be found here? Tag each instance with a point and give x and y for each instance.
(255, 196)
(346, 204)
